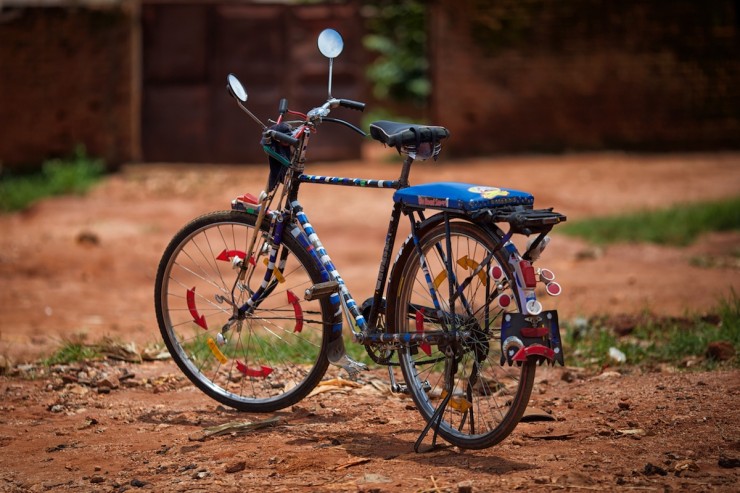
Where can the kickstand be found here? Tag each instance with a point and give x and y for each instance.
(436, 419)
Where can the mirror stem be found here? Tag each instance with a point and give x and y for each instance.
(331, 67)
(251, 115)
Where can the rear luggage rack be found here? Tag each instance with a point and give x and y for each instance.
(523, 221)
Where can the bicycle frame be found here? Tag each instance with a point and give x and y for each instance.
(366, 329)
(340, 297)
(439, 310)
(304, 232)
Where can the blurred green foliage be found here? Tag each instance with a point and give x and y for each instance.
(679, 225)
(397, 37)
(72, 175)
(656, 340)
(72, 352)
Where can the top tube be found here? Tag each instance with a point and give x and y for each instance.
(349, 182)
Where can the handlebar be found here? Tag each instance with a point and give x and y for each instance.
(316, 115)
(353, 105)
(324, 110)
(281, 137)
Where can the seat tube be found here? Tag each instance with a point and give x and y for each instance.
(385, 261)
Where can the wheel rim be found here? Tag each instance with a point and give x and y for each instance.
(487, 399)
(270, 354)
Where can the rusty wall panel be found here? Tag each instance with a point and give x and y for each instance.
(176, 128)
(175, 43)
(64, 81)
(586, 75)
(271, 48)
(248, 42)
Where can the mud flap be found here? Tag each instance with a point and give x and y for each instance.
(523, 336)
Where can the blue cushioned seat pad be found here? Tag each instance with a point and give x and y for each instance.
(460, 196)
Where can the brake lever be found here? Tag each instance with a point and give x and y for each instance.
(317, 113)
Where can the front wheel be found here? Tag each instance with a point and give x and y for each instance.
(268, 359)
(487, 399)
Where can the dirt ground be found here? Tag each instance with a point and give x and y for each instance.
(84, 267)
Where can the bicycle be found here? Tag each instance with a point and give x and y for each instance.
(251, 306)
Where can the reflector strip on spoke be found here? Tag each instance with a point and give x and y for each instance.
(472, 265)
(420, 330)
(440, 279)
(198, 319)
(276, 272)
(293, 300)
(263, 371)
(216, 351)
(227, 255)
(460, 404)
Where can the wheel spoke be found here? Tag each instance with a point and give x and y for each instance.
(268, 360)
(487, 399)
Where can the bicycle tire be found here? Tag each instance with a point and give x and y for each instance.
(255, 369)
(488, 399)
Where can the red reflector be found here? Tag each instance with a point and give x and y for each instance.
(528, 274)
(534, 331)
(249, 199)
(534, 350)
(547, 275)
(553, 289)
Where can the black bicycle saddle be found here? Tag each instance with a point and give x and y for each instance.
(402, 134)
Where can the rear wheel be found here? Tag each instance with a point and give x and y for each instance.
(272, 357)
(487, 399)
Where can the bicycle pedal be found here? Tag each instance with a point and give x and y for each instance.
(321, 290)
(400, 388)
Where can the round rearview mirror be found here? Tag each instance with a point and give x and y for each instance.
(330, 43)
(236, 88)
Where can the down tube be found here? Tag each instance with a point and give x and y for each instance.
(326, 262)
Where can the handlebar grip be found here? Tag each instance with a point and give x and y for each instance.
(281, 137)
(283, 107)
(353, 105)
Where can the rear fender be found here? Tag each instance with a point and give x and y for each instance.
(531, 336)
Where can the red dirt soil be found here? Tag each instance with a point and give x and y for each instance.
(77, 267)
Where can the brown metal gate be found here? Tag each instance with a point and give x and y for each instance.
(190, 48)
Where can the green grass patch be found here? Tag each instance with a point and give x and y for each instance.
(678, 226)
(675, 341)
(73, 175)
(72, 352)
(299, 351)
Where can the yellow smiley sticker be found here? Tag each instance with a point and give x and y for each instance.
(489, 192)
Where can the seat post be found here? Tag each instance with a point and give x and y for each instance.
(403, 181)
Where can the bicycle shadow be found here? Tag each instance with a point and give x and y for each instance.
(395, 444)
(313, 427)
(399, 446)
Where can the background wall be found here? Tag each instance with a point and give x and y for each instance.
(65, 79)
(538, 75)
(134, 79)
(188, 49)
(146, 80)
